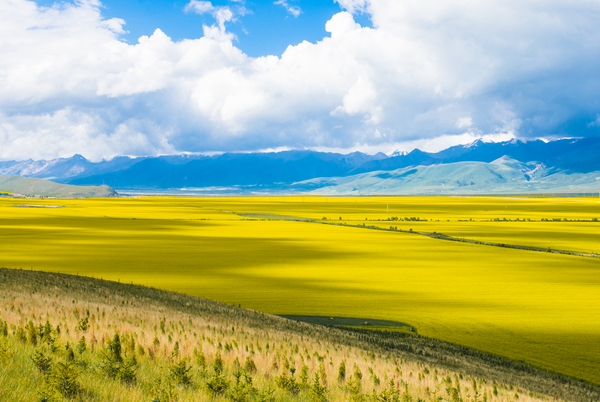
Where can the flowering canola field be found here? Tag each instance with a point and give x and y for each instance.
(537, 307)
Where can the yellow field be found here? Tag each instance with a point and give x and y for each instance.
(537, 307)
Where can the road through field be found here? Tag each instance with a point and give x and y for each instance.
(531, 306)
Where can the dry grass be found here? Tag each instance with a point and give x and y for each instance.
(150, 322)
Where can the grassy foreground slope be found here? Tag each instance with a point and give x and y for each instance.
(75, 338)
(529, 306)
(32, 186)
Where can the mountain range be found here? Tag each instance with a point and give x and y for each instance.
(476, 167)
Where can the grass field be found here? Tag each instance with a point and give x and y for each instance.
(58, 343)
(537, 307)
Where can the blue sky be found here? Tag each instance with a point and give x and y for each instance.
(140, 77)
(265, 28)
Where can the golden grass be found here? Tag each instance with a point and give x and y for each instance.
(528, 306)
(152, 322)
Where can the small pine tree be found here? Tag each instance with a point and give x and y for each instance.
(354, 388)
(32, 334)
(175, 352)
(4, 351)
(318, 392)
(63, 379)
(241, 389)
(216, 384)
(81, 346)
(69, 354)
(357, 373)
(265, 396)
(322, 373)
(127, 370)
(47, 333)
(4, 329)
(41, 362)
(179, 373)
(163, 391)
(304, 375)
(218, 364)
(249, 365)
(342, 371)
(83, 325)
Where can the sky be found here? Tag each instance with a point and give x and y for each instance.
(142, 77)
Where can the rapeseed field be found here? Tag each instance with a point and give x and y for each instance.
(540, 308)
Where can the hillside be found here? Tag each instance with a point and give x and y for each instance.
(75, 338)
(502, 176)
(32, 186)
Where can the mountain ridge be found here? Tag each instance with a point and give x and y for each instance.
(280, 170)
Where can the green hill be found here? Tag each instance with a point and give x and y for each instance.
(46, 188)
(76, 338)
(502, 176)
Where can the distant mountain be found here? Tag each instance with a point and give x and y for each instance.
(63, 168)
(505, 175)
(231, 169)
(280, 170)
(578, 155)
(32, 186)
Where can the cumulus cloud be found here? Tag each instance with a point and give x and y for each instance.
(293, 10)
(429, 71)
(198, 7)
(353, 6)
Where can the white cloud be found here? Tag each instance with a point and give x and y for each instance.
(340, 24)
(354, 6)
(425, 73)
(198, 7)
(293, 10)
(595, 123)
(464, 122)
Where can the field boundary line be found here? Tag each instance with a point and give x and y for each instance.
(441, 236)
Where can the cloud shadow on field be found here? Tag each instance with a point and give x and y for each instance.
(168, 255)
